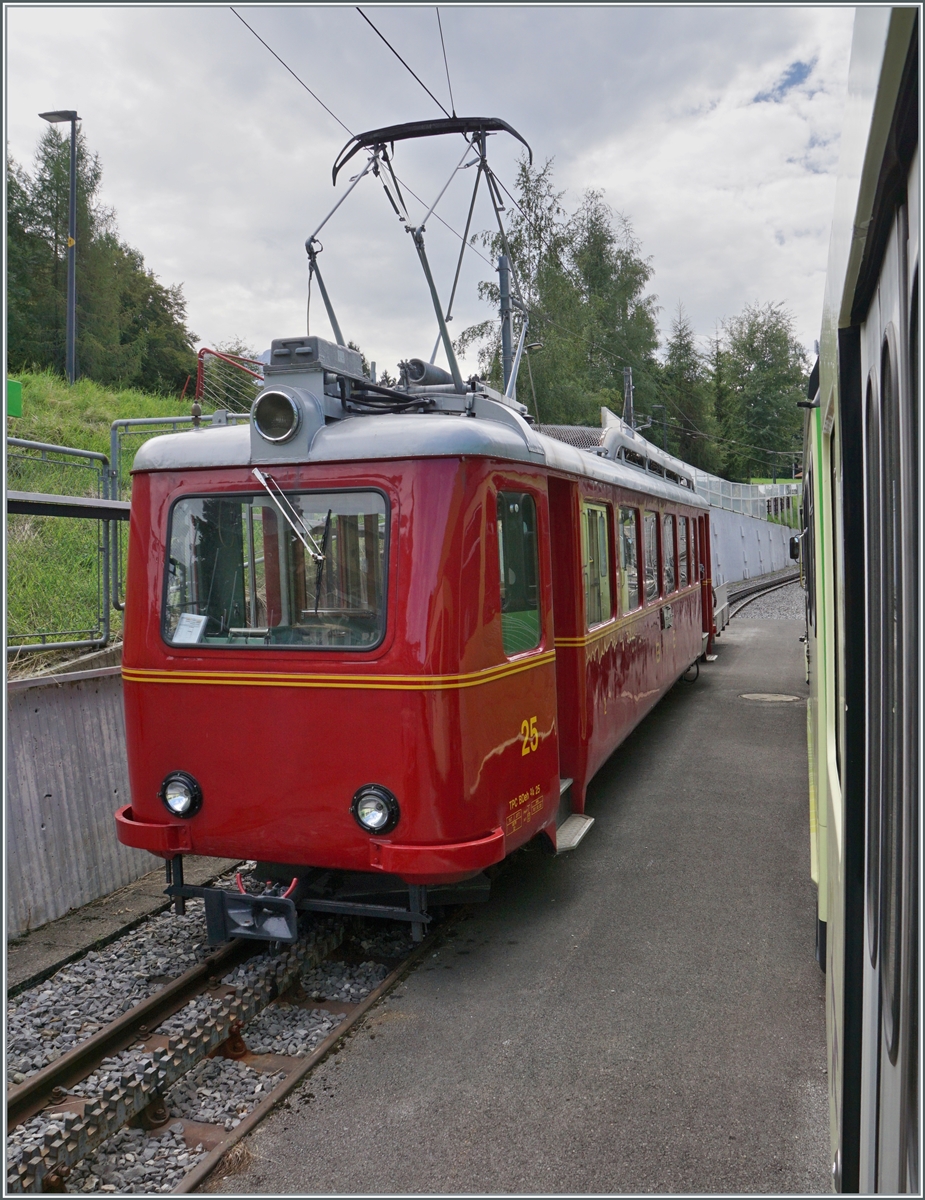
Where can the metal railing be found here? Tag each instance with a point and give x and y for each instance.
(57, 566)
(778, 501)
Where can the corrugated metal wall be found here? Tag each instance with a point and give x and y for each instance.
(745, 547)
(66, 775)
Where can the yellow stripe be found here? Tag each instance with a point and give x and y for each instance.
(613, 627)
(413, 683)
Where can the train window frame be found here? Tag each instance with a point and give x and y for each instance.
(873, 681)
(684, 559)
(669, 586)
(655, 525)
(593, 548)
(508, 629)
(892, 769)
(242, 495)
(637, 534)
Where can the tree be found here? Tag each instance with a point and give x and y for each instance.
(582, 279)
(764, 371)
(685, 392)
(130, 328)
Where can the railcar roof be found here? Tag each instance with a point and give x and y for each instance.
(397, 436)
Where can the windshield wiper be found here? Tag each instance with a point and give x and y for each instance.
(294, 521)
(319, 575)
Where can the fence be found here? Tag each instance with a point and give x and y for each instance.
(57, 566)
(775, 501)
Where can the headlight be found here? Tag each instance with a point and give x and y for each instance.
(375, 809)
(276, 416)
(181, 794)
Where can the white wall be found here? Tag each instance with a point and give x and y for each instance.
(745, 547)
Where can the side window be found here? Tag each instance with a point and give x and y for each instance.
(671, 573)
(683, 571)
(629, 566)
(693, 547)
(595, 559)
(517, 553)
(650, 553)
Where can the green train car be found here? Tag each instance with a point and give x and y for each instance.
(861, 562)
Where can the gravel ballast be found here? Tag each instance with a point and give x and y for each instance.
(785, 604)
(288, 1029)
(338, 981)
(47, 1021)
(53, 1017)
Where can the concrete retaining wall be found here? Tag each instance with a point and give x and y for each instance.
(66, 775)
(745, 547)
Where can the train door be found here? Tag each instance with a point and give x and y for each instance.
(568, 617)
(888, 1160)
(705, 572)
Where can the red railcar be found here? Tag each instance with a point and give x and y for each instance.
(393, 646)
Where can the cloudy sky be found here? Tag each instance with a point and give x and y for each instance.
(713, 129)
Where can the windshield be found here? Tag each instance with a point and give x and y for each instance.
(242, 571)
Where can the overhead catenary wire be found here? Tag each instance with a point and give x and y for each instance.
(493, 179)
(410, 192)
(401, 60)
(292, 73)
(445, 63)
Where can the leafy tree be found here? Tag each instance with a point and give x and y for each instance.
(130, 328)
(763, 374)
(582, 279)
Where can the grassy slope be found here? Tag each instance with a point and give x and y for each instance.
(51, 561)
(81, 415)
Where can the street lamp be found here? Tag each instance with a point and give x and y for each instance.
(70, 352)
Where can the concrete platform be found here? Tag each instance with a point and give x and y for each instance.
(642, 1015)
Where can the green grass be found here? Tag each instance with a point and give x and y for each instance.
(81, 415)
(53, 578)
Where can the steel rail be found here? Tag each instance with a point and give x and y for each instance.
(143, 1085)
(757, 593)
(30, 1097)
(194, 1178)
(767, 585)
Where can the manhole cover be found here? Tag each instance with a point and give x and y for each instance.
(767, 696)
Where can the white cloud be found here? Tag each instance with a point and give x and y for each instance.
(218, 163)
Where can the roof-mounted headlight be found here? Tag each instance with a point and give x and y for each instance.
(276, 416)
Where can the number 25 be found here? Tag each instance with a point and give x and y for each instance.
(531, 737)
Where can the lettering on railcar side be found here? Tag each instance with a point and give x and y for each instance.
(523, 808)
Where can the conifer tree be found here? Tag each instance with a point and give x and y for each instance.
(686, 394)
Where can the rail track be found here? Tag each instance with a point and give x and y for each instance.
(205, 1013)
(754, 591)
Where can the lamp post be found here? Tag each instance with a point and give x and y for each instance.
(70, 351)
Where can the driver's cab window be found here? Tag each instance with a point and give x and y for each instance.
(518, 563)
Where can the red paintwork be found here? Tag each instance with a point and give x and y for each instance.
(607, 685)
(279, 762)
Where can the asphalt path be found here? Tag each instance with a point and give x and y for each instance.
(643, 1015)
